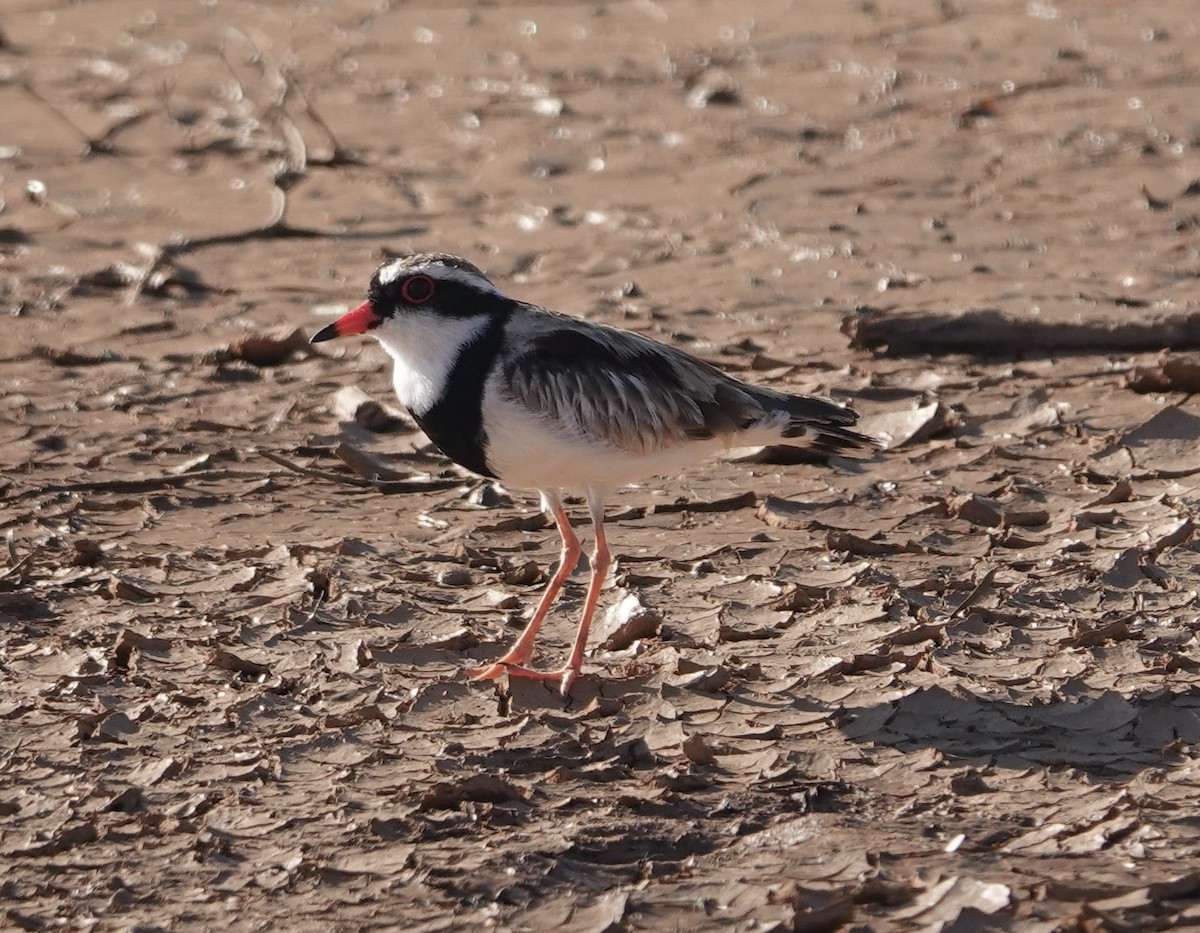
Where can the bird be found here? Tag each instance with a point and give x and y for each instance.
(538, 399)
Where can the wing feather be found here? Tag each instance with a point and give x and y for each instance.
(623, 390)
(614, 387)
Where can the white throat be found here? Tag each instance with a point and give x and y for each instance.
(424, 348)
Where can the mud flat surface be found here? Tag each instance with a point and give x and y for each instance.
(952, 688)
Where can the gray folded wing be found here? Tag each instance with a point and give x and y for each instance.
(629, 392)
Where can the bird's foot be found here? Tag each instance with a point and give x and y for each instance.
(565, 677)
(515, 656)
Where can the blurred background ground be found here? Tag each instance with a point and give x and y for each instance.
(953, 688)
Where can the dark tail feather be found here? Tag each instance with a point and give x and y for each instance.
(824, 427)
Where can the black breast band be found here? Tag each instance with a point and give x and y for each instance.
(455, 422)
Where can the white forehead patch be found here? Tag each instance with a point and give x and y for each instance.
(435, 269)
(390, 272)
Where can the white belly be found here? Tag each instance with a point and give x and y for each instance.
(525, 450)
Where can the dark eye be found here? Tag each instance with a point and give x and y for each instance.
(416, 289)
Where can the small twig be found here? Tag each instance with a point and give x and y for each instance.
(340, 155)
(58, 114)
(365, 465)
(229, 65)
(318, 474)
(18, 569)
(37, 193)
(104, 142)
(100, 145)
(982, 589)
(318, 601)
(384, 486)
(148, 484)
(281, 231)
(294, 166)
(276, 229)
(138, 285)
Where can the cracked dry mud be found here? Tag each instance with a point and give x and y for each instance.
(951, 688)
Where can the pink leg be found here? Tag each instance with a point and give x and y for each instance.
(567, 675)
(521, 651)
(600, 558)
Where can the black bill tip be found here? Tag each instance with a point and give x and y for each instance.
(328, 332)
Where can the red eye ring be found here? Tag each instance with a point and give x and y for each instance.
(417, 289)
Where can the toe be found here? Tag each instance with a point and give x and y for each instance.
(490, 672)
